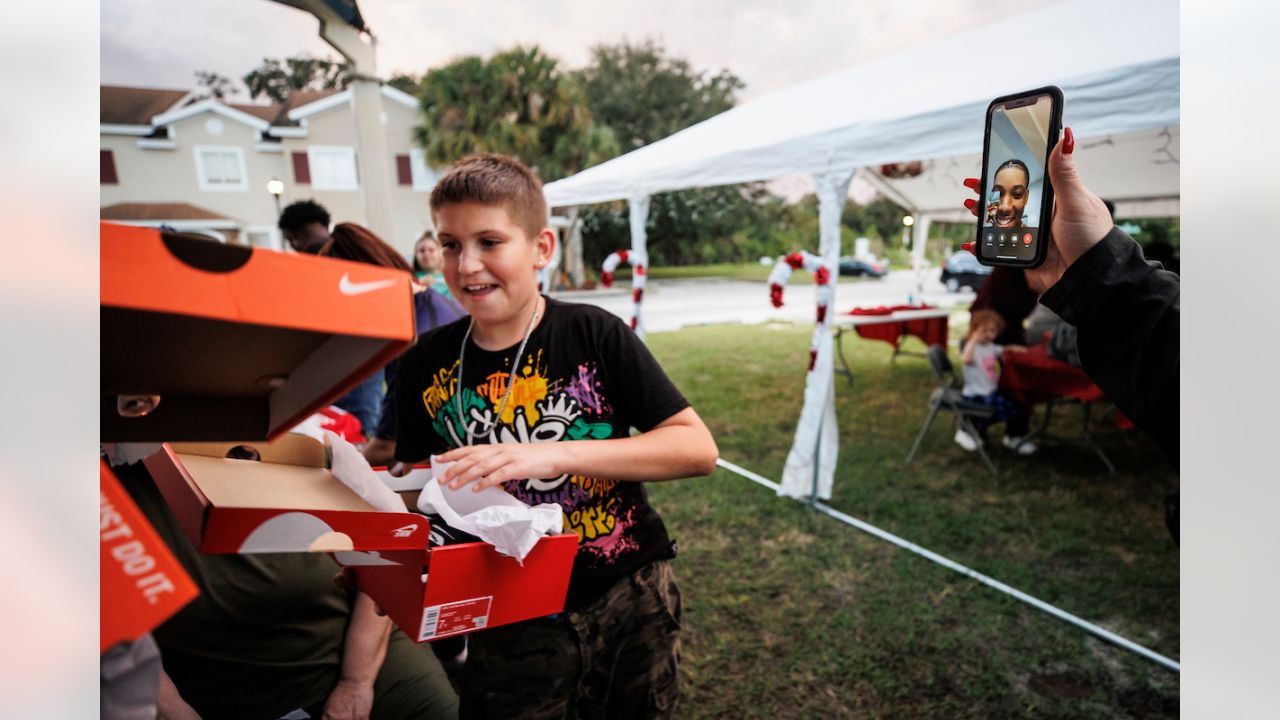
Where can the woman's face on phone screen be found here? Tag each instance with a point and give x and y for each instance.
(1011, 184)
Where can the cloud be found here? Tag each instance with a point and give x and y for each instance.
(769, 45)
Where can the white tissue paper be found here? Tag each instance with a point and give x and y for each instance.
(353, 470)
(492, 514)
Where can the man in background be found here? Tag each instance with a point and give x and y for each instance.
(305, 225)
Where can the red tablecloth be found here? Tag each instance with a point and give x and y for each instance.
(933, 331)
(1033, 376)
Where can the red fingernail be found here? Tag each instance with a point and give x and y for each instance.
(970, 203)
(1068, 142)
(971, 183)
(967, 246)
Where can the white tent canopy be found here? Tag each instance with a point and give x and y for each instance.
(1116, 62)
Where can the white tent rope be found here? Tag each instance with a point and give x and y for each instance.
(950, 564)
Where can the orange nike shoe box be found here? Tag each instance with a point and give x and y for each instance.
(286, 501)
(238, 343)
(141, 583)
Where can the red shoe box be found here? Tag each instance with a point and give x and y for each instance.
(288, 502)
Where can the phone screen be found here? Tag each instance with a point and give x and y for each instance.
(1014, 190)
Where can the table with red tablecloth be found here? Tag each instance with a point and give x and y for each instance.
(891, 323)
(1033, 376)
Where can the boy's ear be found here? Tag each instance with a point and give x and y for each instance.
(545, 244)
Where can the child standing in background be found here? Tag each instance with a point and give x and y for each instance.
(981, 357)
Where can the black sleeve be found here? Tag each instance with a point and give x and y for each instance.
(415, 439)
(644, 395)
(1126, 313)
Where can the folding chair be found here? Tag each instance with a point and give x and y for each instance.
(949, 396)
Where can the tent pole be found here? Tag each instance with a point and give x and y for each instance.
(919, 243)
(638, 208)
(816, 431)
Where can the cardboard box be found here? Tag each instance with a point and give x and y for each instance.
(285, 502)
(288, 502)
(142, 584)
(240, 343)
(458, 589)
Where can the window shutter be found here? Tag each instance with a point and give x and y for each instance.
(404, 170)
(108, 172)
(301, 169)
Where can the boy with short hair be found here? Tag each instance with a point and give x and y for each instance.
(539, 396)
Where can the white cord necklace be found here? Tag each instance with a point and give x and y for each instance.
(511, 379)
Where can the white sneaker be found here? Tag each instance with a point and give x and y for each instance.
(966, 441)
(1022, 446)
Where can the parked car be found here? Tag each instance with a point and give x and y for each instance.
(858, 266)
(963, 270)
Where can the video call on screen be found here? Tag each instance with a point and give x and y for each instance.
(1010, 210)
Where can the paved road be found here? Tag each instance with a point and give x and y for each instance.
(673, 304)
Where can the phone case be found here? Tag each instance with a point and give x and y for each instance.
(1046, 204)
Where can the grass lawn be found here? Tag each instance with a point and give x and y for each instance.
(791, 614)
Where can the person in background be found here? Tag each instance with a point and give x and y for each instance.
(368, 401)
(305, 225)
(981, 369)
(428, 263)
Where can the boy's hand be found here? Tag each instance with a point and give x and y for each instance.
(489, 465)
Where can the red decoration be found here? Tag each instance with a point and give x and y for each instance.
(813, 358)
(775, 294)
(822, 313)
(633, 322)
(795, 260)
(636, 294)
(622, 255)
(638, 270)
(822, 275)
(606, 279)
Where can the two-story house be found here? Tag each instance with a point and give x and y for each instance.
(203, 165)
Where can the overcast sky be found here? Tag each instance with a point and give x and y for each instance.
(769, 44)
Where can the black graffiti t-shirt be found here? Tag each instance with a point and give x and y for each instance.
(584, 375)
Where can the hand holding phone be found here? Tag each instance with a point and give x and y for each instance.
(1021, 130)
(1080, 219)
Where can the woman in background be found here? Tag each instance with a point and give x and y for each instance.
(428, 263)
(430, 309)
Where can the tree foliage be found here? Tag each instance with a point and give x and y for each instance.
(646, 95)
(214, 85)
(519, 102)
(277, 79)
(406, 82)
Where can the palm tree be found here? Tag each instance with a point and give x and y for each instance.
(516, 103)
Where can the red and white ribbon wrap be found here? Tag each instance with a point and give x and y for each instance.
(638, 276)
(821, 276)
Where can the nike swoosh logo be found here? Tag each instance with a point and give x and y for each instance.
(354, 288)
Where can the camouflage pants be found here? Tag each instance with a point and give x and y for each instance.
(614, 658)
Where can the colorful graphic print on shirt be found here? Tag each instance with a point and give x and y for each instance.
(541, 409)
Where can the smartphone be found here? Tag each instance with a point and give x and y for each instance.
(1016, 199)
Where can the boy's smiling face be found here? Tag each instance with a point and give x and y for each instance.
(490, 262)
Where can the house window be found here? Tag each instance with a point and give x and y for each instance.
(333, 167)
(108, 173)
(220, 168)
(423, 177)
